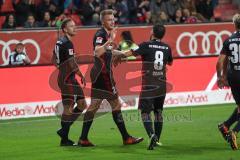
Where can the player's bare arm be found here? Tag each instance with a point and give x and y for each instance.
(101, 49)
(74, 67)
(221, 70)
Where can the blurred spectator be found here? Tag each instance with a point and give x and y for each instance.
(22, 9)
(47, 22)
(31, 23)
(205, 8)
(86, 12)
(127, 43)
(89, 11)
(172, 6)
(68, 6)
(161, 18)
(122, 11)
(236, 2)
(132, 9)
(47, 5)
(156, 7)
(215, 3)
(144, 14)
(188, 18)
(188, 4)
(1, 3)
(178, 17)
(19, 56)
(60, 19)
(108, 4)
(10, 22)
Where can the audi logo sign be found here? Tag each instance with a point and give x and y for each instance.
(206, 44)
(185, 40)
(6, 50)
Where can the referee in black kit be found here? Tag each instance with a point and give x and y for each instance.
(71, 92)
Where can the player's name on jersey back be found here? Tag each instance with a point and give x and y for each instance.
(157, 46)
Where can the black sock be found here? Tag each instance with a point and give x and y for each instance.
(65, 129)
(67, 121)
(232, 119)
(87, 122)
(118, 119)
(158, 124)
(147, 122)
(76, 113)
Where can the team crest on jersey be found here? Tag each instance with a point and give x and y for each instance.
(70, 51)
(99, 40)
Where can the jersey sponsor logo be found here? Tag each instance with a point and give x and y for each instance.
(99, 40)
(200, 41)
(6, 50)
(71, 52)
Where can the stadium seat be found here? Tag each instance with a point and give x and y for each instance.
(220, 11)
(76, 19)
(224, 2)
(2, 20)
(7, 6)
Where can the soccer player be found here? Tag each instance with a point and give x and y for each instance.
(103, 84)
(228, 74)
(155, 56)
(71, 91)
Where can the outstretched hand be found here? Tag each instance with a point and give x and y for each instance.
(222, 82)
(116, 60)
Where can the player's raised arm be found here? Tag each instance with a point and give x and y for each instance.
(101, 49)
(104, 38)
(122, 54)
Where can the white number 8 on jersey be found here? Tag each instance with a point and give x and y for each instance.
(158, 63)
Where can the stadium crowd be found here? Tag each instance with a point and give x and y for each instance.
(50, 13)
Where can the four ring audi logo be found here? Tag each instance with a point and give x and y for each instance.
(205, 43)
(197, 40)
(6, 50)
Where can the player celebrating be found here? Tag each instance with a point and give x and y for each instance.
(228, 73)
(155, 55)
(103, 85)
(71, 91)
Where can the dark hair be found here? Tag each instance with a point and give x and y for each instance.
(31, 14)
(7, 17)
(5, 24)
(159, 31)
(64, 23)
(127, 36)
(19, 44)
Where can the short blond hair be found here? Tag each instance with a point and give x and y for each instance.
(236, 20)
(104, 13)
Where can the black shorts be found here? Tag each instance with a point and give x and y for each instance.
(234, 83)
(152, 98)
(146, 105)
(71, 90)
(103, 87)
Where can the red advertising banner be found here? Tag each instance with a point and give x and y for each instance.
(185, 40)
(36, 84)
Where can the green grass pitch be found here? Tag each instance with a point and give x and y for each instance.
(189, 133)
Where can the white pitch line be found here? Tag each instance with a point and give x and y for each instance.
(21, 121)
